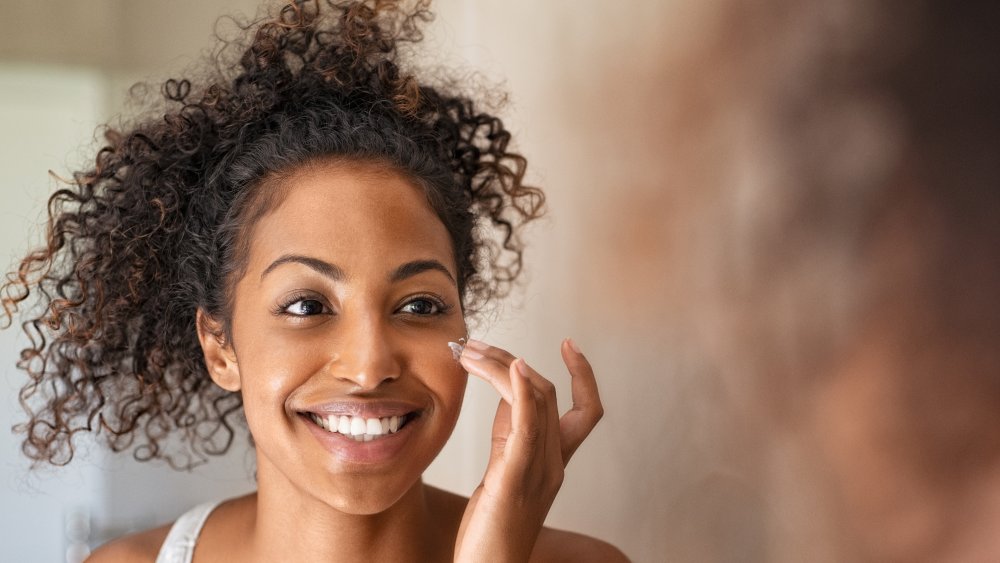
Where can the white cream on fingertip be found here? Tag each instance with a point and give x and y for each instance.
(457, 348)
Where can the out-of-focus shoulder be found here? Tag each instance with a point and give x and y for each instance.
(141, 546)
(556, 546)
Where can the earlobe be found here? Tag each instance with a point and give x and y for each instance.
(220, 359)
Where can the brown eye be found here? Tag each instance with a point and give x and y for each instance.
(305, 308)
(421, 307)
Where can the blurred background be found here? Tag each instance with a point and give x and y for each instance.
(773, 229)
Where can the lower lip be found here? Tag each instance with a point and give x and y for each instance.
(349, 450)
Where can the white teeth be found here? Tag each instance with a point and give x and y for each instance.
(358, 425)
(358, 428)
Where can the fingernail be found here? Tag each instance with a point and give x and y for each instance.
(573, 346)
(521, 368)
(471, 354)
(477, 345)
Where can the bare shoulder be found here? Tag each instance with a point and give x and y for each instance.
(142, 546)
(559, 545)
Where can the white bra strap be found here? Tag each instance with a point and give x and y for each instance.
(179, 545)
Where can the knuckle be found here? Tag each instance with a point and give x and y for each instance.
(531, 436)
(558, 478)
(548, 388)
(499, 442)
(598, 413)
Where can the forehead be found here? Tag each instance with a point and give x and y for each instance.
(357, 215)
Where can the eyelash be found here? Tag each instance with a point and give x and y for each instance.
(436, 302)
(282, 308)
(441, 307)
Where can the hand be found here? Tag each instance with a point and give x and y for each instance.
(530, 448)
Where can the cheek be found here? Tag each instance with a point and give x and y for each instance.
(446, 380)
(272, 366)
(433, 361)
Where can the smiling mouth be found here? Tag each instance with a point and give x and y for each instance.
(358, 428)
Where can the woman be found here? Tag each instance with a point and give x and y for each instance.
(300, 239)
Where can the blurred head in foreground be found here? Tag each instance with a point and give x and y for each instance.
(839, 164)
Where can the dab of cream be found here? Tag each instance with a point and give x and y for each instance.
(457, 348)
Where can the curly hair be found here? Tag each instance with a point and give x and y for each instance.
(158, 227)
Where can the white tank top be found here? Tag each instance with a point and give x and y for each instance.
(179, 545)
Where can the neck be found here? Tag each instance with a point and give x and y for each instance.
(292, 525)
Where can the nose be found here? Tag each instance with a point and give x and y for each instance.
(367, 357)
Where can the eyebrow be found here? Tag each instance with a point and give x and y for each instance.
(335, 273)
(325, 268)
(415, 267)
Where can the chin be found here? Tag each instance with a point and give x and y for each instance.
(366, 499)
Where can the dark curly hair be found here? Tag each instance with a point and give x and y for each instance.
(158, 227)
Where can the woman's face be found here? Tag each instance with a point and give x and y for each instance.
(342, 319)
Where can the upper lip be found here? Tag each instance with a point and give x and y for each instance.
(377, 408)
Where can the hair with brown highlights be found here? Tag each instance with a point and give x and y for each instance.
(156, 229)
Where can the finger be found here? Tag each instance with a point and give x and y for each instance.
(587, 409)
(490, 370)
(494, 352)
(584, 389)
(548, 412)
(546, 400)
(524, 429)
(481, 351)
(501, 432)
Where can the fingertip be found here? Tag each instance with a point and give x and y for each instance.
(572, 355)
(474, 368)
(519, 378)
(470, 354)
(520, 368)
(477, 344)
(463, 361)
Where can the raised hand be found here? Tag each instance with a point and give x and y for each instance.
(531, 446)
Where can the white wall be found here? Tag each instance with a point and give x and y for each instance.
(40, 128)
(48, 115)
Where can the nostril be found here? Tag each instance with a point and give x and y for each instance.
(365, 379)
(365, 357)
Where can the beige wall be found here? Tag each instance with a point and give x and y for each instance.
(674, 469)
(113, 34)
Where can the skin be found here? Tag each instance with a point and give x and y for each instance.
(324, 315)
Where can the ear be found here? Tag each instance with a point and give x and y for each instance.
(220, 358)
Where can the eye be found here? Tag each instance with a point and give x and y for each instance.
(422, 306)
(305, 308)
